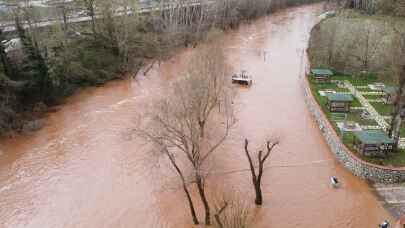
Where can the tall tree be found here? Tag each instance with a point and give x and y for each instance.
(398, 111)
(9, 69)
(90, 6)
(34, 67)
(117, 25)
(192, 122)
(63, 8)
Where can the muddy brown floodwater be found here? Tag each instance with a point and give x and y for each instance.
(84, 170)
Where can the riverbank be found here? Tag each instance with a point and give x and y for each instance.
(392, 197)
(70, 60)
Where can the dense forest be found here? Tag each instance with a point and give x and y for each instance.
(42, 65)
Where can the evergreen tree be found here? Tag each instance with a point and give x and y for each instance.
(7, 67)
(34, 68)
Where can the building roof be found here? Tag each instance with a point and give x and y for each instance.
(318, 71)
(390, 89)
(339, 97)
(373, 137)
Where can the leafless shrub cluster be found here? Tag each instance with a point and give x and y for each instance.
(232, 212)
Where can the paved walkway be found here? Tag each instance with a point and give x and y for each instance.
(370, 109)
(375, 100)
(380, 119)
(393, 197)
(370, 127)
(374, 93)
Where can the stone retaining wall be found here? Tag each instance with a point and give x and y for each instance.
(357, 166)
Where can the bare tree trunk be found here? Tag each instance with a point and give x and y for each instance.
(257, 178)
(64, 17)
(254, 178)
(397, 115)
(259, 195)
(183, 181)
(201, 191)
(190, 204)
(395, 129)
(366, 54)
(89, 4)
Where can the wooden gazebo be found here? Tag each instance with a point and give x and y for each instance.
(321, 75)
(372, 142)
(339, 102)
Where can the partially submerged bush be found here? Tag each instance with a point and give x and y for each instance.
(232, 213)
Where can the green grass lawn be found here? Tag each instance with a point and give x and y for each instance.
(382, 109)
(357, 118)
(372, 97)
(402, 131)
(323, 86)
(356, 102)
(353, 116)
(357, 80)
(365, 90)
(395, 159)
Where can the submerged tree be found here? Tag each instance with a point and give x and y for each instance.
(257, 175)
(192, 122)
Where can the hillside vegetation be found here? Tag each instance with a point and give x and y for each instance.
(53, 61)
(354, 42)
(391, 7)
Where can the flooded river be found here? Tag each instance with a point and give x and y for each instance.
(83, 169)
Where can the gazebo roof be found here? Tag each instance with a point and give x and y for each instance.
(373, 137)
(319, 71)
(339, 97)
